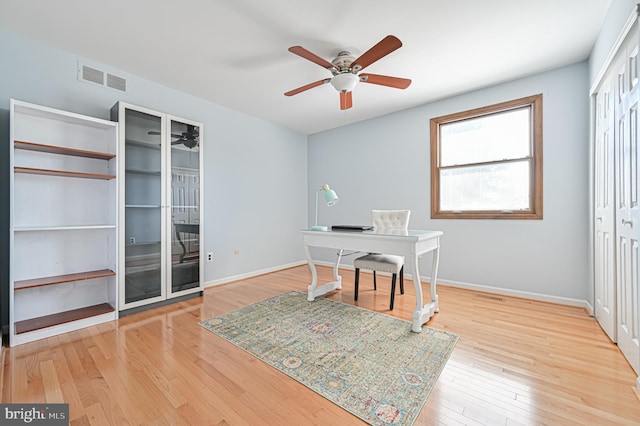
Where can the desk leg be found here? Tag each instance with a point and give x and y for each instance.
(314, 290)
(434, 279)
(422, 313)
(336, 269)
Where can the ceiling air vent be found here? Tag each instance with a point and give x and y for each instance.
(96, 76)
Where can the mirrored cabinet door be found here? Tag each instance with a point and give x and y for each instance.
(185, 212)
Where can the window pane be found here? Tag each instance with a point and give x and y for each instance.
(492, 137)
(492, 187)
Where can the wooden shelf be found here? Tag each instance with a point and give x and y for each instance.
(51, 149)
(63, 173)
(33, 324)
(60, 279)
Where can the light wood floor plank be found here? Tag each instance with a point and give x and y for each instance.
(518, 362)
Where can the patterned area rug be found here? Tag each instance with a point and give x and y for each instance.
(370, 364)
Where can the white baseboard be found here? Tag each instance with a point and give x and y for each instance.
(488, 289)
(517, 293)
(590, 310)
(450, 283)
(251, 274)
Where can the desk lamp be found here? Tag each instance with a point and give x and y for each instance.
(330, 198)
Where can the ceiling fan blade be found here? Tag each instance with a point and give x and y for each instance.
(385, 80)
(380, 50)
(307, 87)
(153, 132)
(304, 53)
(189, 143)
(346, 100)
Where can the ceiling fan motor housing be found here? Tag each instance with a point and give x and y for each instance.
(343, 61)
(344, 78)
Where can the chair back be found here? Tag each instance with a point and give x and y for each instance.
(390, 219)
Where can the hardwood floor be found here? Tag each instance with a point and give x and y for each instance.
(518, 362)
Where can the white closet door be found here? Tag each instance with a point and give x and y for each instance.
(627, 203)
(604, 228)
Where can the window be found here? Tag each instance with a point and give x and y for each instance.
(487, 163)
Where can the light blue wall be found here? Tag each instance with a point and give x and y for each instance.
(390, 156)
(618, 13)
(255, 172)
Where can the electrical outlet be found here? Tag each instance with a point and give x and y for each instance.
(210, 256)
(132, 240)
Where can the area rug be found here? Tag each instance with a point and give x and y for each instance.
(368, 363)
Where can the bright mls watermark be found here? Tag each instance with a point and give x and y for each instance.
(34, 414)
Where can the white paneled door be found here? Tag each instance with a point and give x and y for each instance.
(627, 204)
(604, 227)
(616, 199)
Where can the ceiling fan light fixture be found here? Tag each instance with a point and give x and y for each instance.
(344, 82)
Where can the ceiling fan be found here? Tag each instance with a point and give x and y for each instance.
(189, 138)
(345, 70)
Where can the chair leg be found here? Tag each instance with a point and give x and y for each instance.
(402, 280)
(393, 290)
(355, 293)
(374, 281)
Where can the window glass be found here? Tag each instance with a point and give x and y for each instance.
(489, 138)
(494, 187)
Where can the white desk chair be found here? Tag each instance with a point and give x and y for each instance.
(396, 220)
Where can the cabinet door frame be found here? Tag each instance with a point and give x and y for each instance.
(122, 107)
(169, 207)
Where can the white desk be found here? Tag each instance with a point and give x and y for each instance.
(410, 244)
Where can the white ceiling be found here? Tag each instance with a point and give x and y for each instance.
(234, 53)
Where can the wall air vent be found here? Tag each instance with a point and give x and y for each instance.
(93, 75)
(116, 82)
